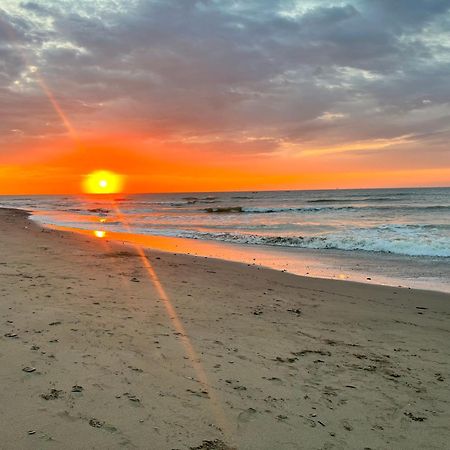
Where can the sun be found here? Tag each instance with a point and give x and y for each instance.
(102, 182)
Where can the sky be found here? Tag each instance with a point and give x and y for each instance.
(213, 95)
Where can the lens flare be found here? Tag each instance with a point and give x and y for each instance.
(102, 182)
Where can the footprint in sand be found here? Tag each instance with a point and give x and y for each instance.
(247, 415)
(275, 380)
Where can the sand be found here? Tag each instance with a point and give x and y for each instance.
(125, 349)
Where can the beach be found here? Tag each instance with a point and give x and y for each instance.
(106, 345)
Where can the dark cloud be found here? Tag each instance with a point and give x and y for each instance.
(291, 72)
(405, 14)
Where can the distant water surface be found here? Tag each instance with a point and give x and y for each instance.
(410, 226)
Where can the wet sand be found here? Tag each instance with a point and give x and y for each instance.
(364, 267)
(106, 346)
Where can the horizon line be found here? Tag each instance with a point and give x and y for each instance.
(224, 192)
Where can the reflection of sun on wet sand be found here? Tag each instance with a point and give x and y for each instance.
(91, 358)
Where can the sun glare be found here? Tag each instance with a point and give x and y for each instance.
(102, 182)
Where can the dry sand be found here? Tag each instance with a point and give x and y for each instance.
(239, 356)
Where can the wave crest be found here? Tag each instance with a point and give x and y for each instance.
(396, 239)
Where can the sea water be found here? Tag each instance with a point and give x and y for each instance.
(395, 234)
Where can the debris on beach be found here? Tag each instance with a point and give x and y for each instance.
(216, 444)
(29, 369)
(11, 335)
(201, 393)
(318, 352)
(132, 397)
(414, 417)
(96, 423)
(52, 395)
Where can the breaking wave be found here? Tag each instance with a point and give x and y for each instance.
(396, 239)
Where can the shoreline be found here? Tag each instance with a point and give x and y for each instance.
(174, 350)
(177, 246)
(387, 248)
(269, 258)
(376, 268)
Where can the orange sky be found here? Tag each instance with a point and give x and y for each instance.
(167, 167)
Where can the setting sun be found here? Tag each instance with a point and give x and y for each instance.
(102, 182)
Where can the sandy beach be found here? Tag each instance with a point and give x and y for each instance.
(106, 346)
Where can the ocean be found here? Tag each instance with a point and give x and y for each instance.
(397, 236)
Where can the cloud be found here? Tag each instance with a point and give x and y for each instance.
(241, 73)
